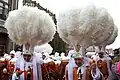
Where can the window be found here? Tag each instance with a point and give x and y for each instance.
(3, 9)
(2, 49)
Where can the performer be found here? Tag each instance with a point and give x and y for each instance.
(116, 69)
(82, 68)
(12, 54)
(71, 68)
(95, 72)
(29, 33)
(27, 67)
(88, 71)
(4, 75)
(104, 65)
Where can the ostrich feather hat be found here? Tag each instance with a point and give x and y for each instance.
(29, 25)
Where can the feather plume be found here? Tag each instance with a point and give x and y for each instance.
(30, 25)
(112, 37)
(84, 26)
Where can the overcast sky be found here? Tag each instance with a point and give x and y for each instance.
(113, 7)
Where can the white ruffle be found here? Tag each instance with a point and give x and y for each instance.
(46, 48)
(96, 75)
(70, 67)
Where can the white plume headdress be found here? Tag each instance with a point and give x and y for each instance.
(29, 25)
(112, 38)
(109, 40)
(84, 26)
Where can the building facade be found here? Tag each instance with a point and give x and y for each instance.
(5, 6)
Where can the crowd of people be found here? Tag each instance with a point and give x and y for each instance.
(80, 28)
(43, 66)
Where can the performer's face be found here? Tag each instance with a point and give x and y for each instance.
(78, 61)
(27, 57)
(12, 55)
(119, 57)
(116, 59)
(93, 67)
(101, 55)
(43, 57)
